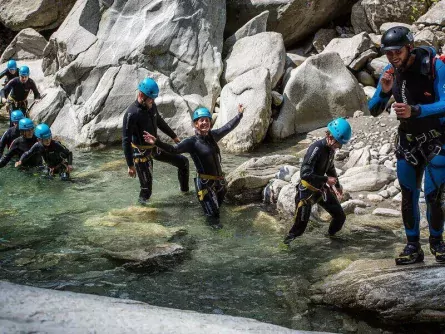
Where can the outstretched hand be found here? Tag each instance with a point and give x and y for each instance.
(241, 108)
(149, 138)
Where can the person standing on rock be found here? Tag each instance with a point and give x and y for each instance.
(210, 183)
(416, 79)
(143, 116)
(10, 72)
(319, 181)
(16, 92)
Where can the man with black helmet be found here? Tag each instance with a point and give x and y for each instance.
(416, 79)
(142, 115)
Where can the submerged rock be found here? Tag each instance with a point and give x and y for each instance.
(159, 257)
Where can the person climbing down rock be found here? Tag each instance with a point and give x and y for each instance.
(319, 181)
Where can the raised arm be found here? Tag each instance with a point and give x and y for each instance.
(218, 134)
(377, 103)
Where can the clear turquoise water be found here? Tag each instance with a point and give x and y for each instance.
(55, 235)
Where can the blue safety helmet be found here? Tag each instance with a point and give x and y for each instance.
(26, 124)
(201, 112)
(340, 130)
(24, 71)
(43, 131)
(12, 65)
(16, 115)
(149, 88)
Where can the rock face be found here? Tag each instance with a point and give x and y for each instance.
(318, 90)
(246, 183)
(367, 178)
(27, 309)
(254, 26)
(253, 90)
(411, 295)
(369, 15)
(354, 51)
(294, 19)
(37, 14)
(261, 50)
(98, 67)
(27, 44)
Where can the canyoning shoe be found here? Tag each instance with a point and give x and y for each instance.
(143, 201)
(289, 238)
(438, 250)
(412, 253)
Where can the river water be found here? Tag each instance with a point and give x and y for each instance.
(54, 235)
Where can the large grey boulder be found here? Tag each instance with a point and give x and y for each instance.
(322, 38)
(377, 65)
(352, 49)
(245, 184)
(254, 26)
(367, 178)
(37, 14)
(27, 44)
(286, 201)
(253, 90)
(369, 15)
(25, 309)
(412, 294)
(294, 19)
(434, 16)
(261, 50)
(318, 90)
(98, 66)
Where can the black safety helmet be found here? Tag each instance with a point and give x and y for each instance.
(395, 38)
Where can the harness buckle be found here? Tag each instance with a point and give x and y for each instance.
(434, 133)
(409, 157)
(436, 150)
(422, 138)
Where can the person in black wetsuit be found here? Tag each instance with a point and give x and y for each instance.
(209, 183)
(142, 115)
(13, 132)
(58, 158)
(10, 72)
(16, 92)
(319, 182)
(416, 79)
(22, 144)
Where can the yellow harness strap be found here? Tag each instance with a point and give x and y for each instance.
(309, 186)
(139, 160)
(210, 177)
(202, 193)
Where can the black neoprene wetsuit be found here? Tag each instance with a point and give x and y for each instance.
(138, 119)
(19, 91)
(8, 137)
(205, 153)
(18, 147)
(9, 76)
(318, 164)
(55, 154)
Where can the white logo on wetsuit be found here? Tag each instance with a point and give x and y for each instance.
(312, 155)
(404, 99)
